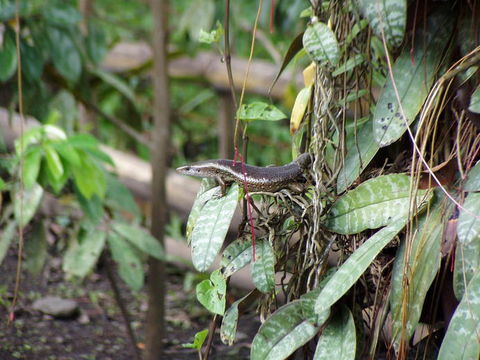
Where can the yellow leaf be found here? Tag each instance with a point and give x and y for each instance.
(299, 108)
(309, 74)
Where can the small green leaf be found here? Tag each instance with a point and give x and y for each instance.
(260, 111)
(213, 36)
(348, 65)
(386, 17)
(6, 236)
(337, 340)
(228, 330)
(116, 83)
(31, 166)
(92, 207)
(53, 161)
(356, 264)
(8, 57)
(127, 258)
(198, 340)
(461, 340)
(26, 203)
(467, 254)
(211, 227)
(473, 179)
(2, 187)
(82, 255)
(374, 203)
(119, 197)
(321, 44)
(140, 238)
(263, 269)
(89, 177)
(212, 293)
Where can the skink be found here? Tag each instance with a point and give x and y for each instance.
(270, 179)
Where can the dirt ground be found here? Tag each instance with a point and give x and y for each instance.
(98, 331)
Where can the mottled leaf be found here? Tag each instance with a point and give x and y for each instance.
(260, 111)
(82, 255)
(236, 255)
(228, 330)
(211, 228)
(212, 293)
(321, 44)
(467, 252)
(205, 193)
(386, 17)
(130, 267)
(26, 203)
(356, 264)
(461, 342)
(337, 340)
(413, 79)
(423, 262)
(473, 179)
(373, 204)
(140, 238)
(263, 269)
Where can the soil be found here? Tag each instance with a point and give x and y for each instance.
(98, 331)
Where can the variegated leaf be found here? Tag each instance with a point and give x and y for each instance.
(263, 269)
(373, 204)
(462, 341)
(356, 264)
(413, 79)
(337, 340)
(473, 179)
(467, 253)
(211, 228)
(421, 268)
(228, 330)
(321, 44)
(236, 255)
(387, 17)
(205, 193)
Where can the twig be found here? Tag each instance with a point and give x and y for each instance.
(123, 309)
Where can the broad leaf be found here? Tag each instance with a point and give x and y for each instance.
(198, 340)
(386, 17)
(321, 44)
(374, 203)
(473, 179)
(212, 293)
(467, 253)
(413, 79)
(461, 342)
(31, 166)
(199, 15)
(263, 269)
(140, 238)
(82, 255)
(356, 264)
(26, 203)
(61, 13)
(128, 260)
(65, 55)
(420, 267)
(32, 61)
(337, 340)
(205, 193)
(211, 227)
(260, 111)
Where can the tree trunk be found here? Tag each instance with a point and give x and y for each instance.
(161, 112)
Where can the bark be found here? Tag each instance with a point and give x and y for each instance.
(156, 277)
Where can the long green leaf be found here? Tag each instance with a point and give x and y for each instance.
(26, 203)
(462, 340)
(65, 55)
(356, 264)
(211, 228)
(236, 255)
(140, 238)
(263, 269)
(338, 340)
(387, 16)
(228, 330)
(467, 254)
(204, 194)
(421, 267)
(412, 79)
(373, 204)
(8, 57)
